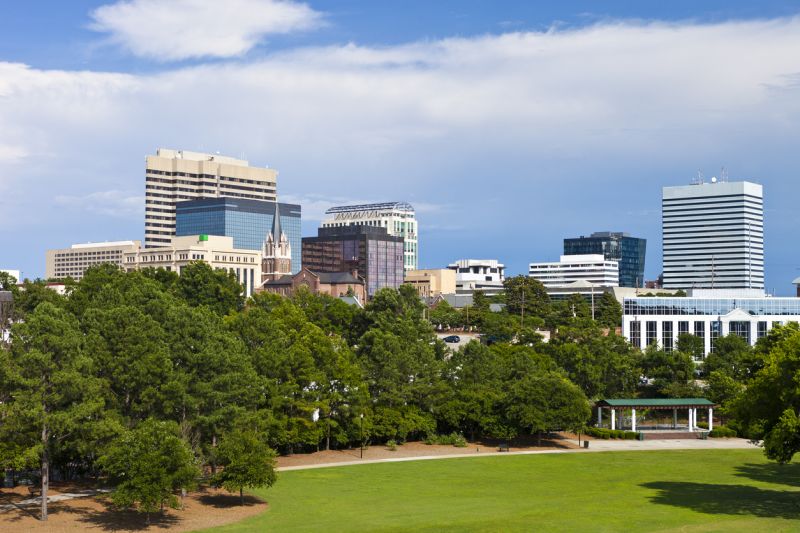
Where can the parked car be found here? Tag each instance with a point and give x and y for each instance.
(452, 339)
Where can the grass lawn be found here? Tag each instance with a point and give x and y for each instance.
(693, 490)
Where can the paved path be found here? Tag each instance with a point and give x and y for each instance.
(50, 499)
(594, 446)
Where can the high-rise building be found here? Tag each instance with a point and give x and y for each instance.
(173, 176)
(370, 251)
(592, 268)
(72, 262)
(249, 222)
(398, 218)
(627, 251)
(485, 275)
(713, 236)
(218, 252)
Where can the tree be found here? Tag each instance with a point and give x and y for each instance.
(691, 345)
(525, 295)
(608, 311)
(52, 393)
(540, 403)
(670, 371)
(199, 284)
(733, 356)
(148, 464)
(247, 460)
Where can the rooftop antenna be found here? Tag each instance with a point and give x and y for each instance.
(723, 176)
(700, 177)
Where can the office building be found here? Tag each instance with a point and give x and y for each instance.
(485, 275)
(72, 262)
(432, 282)
(173, 176)
(249, 222)
(218, 252)
(370, 251)
(336, 284)
(713, 236)
(707, 314)
(628, 252)
(592, 268)
(398, 218)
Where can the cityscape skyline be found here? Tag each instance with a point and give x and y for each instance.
(460, 154)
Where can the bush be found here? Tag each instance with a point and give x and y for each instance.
(702, 425)
(603, 433)
(722, 432)
(392, 445)
(453, 439)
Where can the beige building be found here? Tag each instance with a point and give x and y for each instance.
(72, 262)
(173, 176)
(216, 251)
(432, 282)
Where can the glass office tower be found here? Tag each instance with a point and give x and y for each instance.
(247, 221)
(628, 251)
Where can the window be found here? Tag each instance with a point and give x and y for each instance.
(666, 335)
(762, 330)
(636, 333)
(652, 333)
(716, 330)
(683, 327)
(741, 328)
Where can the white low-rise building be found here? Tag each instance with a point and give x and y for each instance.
(707, 314)
(72, 262)
(592, 268)
(485, 275)
(214, 250)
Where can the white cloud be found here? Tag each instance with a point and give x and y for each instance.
(121, 204)
(182, 29)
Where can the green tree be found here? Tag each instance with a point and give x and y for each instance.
(525, 295)
(199, 284)
(691, 345)
(672, 372)
(247, 462)
(733, 356)
(147, 465)
(52, 394)
(608, 311)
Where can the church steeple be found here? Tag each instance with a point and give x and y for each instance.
(277, 259)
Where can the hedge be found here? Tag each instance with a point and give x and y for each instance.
(722, 432)
(603, 433)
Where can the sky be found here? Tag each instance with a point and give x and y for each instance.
(509, 125)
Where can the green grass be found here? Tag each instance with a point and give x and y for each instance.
(693, 490)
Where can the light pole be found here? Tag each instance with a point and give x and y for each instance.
(361, 435)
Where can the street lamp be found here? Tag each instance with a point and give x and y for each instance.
(362, 435)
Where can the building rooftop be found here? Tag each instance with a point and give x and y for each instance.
(656, 403)
(106, 244)
(398, 206)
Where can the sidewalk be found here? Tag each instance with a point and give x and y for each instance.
(594, 446)
(60, 497)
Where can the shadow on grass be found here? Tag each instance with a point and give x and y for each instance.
(738, 500)
(772, 473)
(226, 501)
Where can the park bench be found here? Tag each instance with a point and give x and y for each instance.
(503, 447)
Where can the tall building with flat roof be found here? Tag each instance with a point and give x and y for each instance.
(472, 275)
(376, 256)
(249, 222)
(629, 252)
(72, 262)
(173, 176)
(398, 218)
(713, 236)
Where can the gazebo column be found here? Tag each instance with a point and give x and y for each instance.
(710, 418)
(690, 419)
(633, 419)
(674, 418)
(599, 416)
(613, 419)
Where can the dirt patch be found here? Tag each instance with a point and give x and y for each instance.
(420, 449)
(202, 509)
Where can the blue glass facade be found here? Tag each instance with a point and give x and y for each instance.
(628, 251)
(247, 221)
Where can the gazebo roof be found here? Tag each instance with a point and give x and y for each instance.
(656, 403)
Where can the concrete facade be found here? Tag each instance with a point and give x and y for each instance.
(72, 262)
(432, 282)
(486, 275)
(592, 268)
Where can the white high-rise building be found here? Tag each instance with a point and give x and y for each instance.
(592, 268)
(173, 176)
(713, 236)
(485, 275)
(397, 217)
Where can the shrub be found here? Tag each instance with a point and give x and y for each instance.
(392, 445)
(722, 432)
(702, 425)
(453, 439)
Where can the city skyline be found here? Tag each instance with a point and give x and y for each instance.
(481, 122)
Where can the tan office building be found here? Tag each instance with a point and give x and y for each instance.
(72, 262)
(173, 176)
(432, 282)
(216, 251)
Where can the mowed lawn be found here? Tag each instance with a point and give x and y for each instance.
(693, 490)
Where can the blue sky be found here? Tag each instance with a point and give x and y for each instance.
(510, 125)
